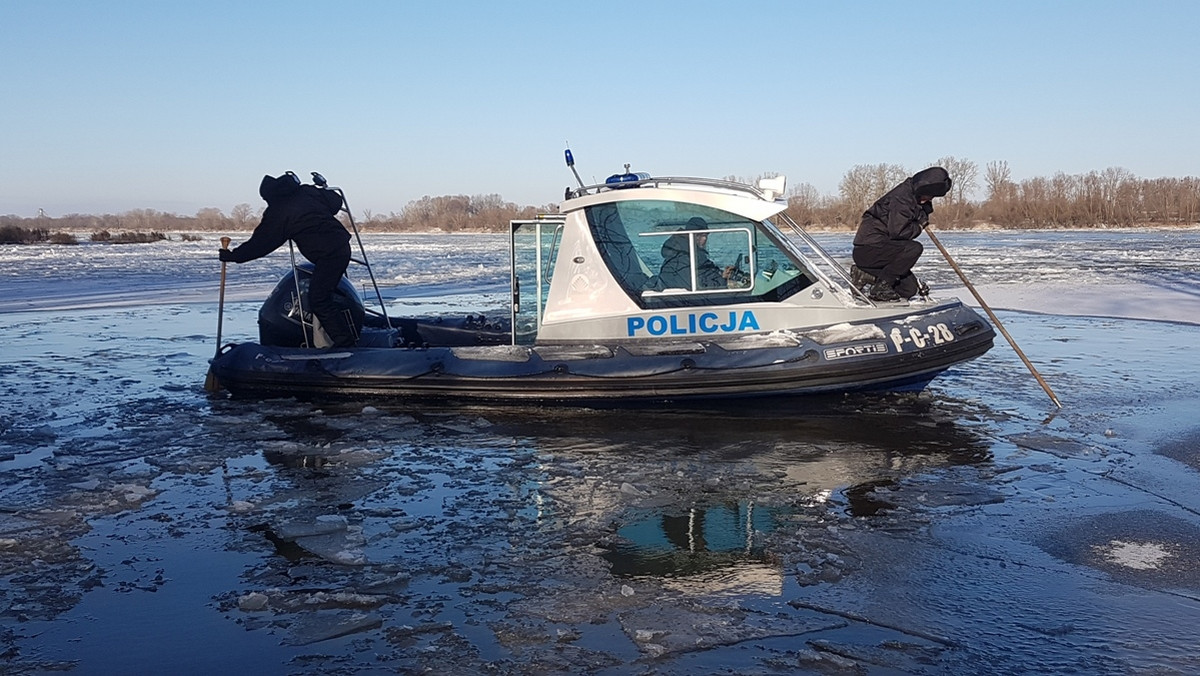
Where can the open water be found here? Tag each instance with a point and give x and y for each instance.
(147, 527)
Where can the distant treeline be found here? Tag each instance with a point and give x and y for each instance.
(1110, 198)
(13, 234)
(451, 213)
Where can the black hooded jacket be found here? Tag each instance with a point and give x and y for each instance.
(899, 214)
(301, 213)
(676, 271)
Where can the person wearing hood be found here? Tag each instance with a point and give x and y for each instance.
(676, 270)
(885, 245)
(305, 214)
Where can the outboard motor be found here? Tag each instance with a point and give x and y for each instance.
(279, 316)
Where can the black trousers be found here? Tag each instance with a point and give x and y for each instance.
(327, 272)
(892, 263)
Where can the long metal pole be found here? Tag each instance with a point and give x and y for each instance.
(210, 381)
(363, 252)
(300, 301)
(971, 287)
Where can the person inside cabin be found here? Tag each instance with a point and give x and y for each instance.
(676, 270)
(305, 214)
(885, 245)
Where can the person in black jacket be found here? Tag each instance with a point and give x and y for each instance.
(676, 270)
(885, 245)
(305, 214)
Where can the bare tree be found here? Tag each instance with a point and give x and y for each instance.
(210, 218)
(865, 183)
(241, 216)
(965, 175)
(998, 180)
(1000, 202)
(804, 201)
(1115, 196)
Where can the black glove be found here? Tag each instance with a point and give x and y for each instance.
(225, 255)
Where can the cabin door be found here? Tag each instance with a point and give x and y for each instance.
(533, 246)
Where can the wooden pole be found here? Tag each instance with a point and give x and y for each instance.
(992, 315)
(210, 381)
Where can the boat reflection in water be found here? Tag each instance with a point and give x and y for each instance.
(701, 500)
(716, 549)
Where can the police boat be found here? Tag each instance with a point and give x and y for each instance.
(640, 289)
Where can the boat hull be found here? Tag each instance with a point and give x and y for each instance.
(902, 352)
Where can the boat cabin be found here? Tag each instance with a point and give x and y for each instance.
(650, 258)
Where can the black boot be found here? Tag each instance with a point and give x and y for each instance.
(884, 290)
(860, 278)
(339, 329)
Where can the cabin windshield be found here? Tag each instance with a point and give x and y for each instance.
(670, 254)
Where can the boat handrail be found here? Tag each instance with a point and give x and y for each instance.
(669, 181)
(828, 260)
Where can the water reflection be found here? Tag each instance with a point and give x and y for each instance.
(903, 425)
(473, 532)
(717, 550)
(667, 543)
(693, 497)
(863, 501)
(500, 516)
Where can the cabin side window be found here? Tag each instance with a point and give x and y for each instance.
(670, 254)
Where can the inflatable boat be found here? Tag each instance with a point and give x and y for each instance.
(639, 289)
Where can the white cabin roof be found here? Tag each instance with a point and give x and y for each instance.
(732, 197)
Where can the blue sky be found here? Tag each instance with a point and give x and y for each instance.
(176, 106)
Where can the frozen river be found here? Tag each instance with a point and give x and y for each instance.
(146, 527)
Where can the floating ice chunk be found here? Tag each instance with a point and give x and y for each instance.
(347, 557)
(134, 492)
(324, 625)
(254, 601)
(1136, 555)
(322, 525)
(329, 537)
(629, 489)
(643, 635)
(350, 600)
(654, 649)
